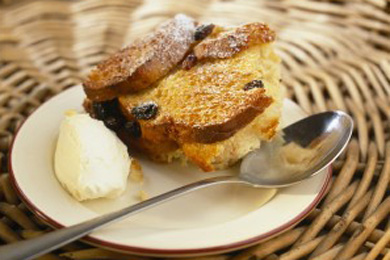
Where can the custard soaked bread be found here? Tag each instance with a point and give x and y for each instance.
(213, 108)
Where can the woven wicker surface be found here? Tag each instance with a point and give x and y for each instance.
(336, 55)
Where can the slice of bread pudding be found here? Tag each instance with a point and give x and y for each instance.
(213, 108)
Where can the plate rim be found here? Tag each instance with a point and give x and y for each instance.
(157, 251)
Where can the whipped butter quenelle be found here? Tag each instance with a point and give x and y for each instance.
(90, 161)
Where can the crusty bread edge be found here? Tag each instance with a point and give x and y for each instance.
(218, 132)
(211, 133)
(137, 81)
(152, 69)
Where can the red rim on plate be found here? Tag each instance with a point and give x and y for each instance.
(168, 252)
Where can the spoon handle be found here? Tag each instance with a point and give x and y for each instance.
(38, 246)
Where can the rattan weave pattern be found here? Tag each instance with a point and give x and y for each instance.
(336, 55)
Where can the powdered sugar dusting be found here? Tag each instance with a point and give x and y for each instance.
(155, 54)
(229, 42)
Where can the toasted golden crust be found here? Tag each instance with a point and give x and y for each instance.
(143, 62)
(224, 44)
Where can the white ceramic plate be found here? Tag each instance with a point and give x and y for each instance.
(213, 220)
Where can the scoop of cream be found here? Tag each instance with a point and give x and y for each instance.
(90, 160)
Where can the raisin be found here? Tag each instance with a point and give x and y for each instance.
(106, 109)
(145, 111)
(109, 112)
(189, 62)
(203, 31)
(133, 128)
(114, 123)
(254, 84)
(99, 110)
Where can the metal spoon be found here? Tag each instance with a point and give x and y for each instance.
(302, 150)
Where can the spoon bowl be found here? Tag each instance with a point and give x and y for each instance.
(300, 150)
